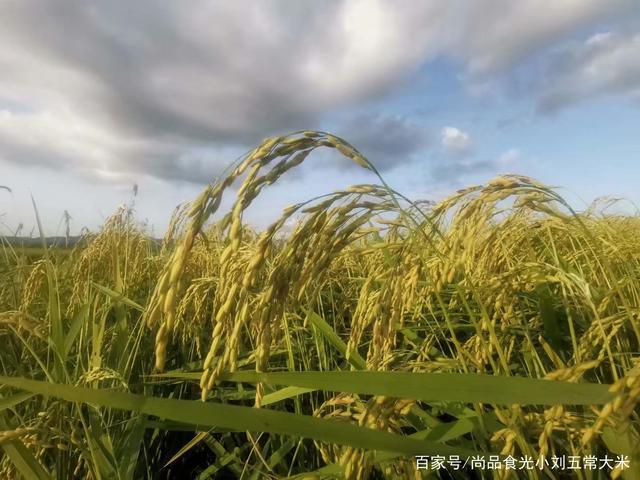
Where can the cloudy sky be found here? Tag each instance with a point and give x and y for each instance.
(98, 96)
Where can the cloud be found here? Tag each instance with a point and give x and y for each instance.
(510, 157)
(455, 141)
(387, 140)
(452, 172)
(212, 75)
(494, 35)
(452, 169)
(604, 64)
(65, 141)
(157, 88)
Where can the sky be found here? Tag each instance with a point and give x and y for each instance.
(96, 97)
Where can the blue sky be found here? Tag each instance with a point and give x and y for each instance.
(97, 97)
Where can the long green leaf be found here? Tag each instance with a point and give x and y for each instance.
(441, 432)
(74, 329)
(283, 394)
(354, 359)
(22, 458)
(8, 402)
(240, 418)
(118, 297)
(445, 387)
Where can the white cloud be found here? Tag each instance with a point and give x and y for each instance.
(451, 170)
(112, 87)
(133, 93)
(607, 63)
(510, 157)
(119, 91)
(387, 140)
(492, 35)
(455, 141)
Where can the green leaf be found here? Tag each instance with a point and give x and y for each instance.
(624, 440)
(550, 321)
(117, 297)
(223, 458)
(9, 402)
(239, 418)
(22, 458)
(101, 447)
(188, 446)
(284, 393)
(445, 387)
(127, 454)
(441, 433)
(74, 329)
(332, 337)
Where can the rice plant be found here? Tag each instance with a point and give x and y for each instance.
(499, 322)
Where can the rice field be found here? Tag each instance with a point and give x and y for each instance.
(373, 333)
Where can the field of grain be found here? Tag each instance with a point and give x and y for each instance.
(496, 322)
